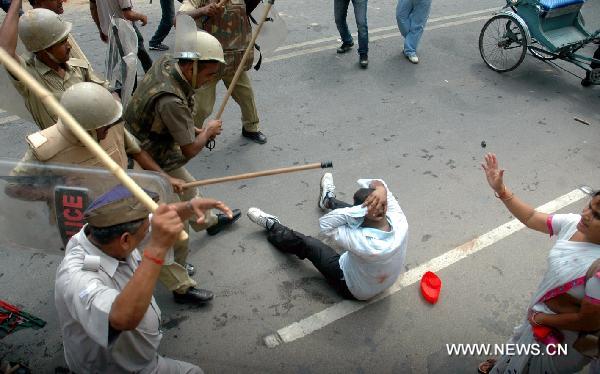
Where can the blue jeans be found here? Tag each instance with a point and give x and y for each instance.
(411, 16)
(340, 10)
(166, 22)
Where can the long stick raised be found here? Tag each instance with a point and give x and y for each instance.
(48, 99)
(316, 165)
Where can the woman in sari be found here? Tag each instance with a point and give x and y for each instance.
(567, 301)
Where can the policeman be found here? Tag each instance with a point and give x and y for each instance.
(110, 321)
(99, 113)
(160, 116)
(231, 26)
(45, 35)
(57, 7)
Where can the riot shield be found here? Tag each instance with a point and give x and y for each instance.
(10, 99)
(273, 32)
(121, 57)
(42, 205)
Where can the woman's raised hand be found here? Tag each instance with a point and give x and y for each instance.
(493, 173)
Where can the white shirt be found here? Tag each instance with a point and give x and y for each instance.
(374, 258)
(83, 301)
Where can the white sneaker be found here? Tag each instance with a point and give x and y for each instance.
(413, 58)
(327, 189)
(261, 218)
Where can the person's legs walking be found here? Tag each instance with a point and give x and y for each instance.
(360, 14)
(340, 11)
(403, 10)
(142, 54)
(164, 27)
(418, 20)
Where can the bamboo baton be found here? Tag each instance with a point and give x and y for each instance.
(240, 68)
(204, 182)
(48, 99)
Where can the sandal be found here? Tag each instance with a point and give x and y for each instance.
(486, 366)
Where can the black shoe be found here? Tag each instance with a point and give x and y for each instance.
(363, 60)
(193, 296)
(255, 136)
(345, 47)
(223, 221)
(159, 47)
(191, 269)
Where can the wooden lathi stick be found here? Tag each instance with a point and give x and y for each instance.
(48, 99)
(316, 165)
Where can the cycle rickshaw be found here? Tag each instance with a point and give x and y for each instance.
(548, 29)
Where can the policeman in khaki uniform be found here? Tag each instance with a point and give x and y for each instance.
(99, 113)
(109, 320)
(160, 115)
(45, 35)
(231, 26)
(57, 7)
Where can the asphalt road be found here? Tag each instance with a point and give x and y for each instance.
(418, 127)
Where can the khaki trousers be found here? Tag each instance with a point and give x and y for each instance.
(242, 94)
(175, 276)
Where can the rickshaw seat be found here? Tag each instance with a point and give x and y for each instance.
(549, 5)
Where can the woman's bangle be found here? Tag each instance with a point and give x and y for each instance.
(154, 259)
(533, 318)
(502, 195)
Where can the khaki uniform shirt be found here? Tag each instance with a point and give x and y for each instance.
(87, 283)
(177, 117)
(77, 71)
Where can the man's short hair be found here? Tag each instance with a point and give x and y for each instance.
(105, 235)
(361, 195)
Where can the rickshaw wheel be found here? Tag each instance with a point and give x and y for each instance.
(502, 43)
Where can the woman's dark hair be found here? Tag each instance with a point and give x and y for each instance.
(105, 235)
(597, 193)
(361, 195)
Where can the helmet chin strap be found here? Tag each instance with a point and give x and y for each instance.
(195, 75)
(51, 57)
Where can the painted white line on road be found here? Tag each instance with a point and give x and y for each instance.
(8, 119)
(337, 311)
(374, 38)
(381, 29)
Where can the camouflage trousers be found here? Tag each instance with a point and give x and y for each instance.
(242, 94)
(174, 276)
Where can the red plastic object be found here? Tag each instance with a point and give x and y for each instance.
(431, 285)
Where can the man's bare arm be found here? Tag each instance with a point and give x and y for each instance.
(9, 30)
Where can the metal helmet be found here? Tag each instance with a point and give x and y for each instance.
(42, 28)
(191, 44)
(91, 105)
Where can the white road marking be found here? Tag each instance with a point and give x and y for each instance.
(371, 38)
(381, 29)
(8, 119)
(342, 309)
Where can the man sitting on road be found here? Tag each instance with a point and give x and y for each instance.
(373, 234)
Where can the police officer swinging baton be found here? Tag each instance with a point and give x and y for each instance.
(211, 143)
(48, 99)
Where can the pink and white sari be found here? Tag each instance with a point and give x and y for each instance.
(568, 263)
